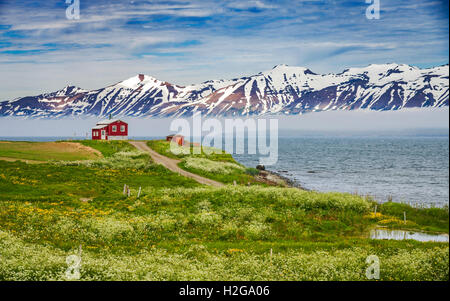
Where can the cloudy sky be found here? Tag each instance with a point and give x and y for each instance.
(190, 41)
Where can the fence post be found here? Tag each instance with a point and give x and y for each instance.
(139, 192)
(404, 216)
(124, 188)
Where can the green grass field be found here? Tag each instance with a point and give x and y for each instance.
(163, 147)
(215, 164)
(107, 148)
(46, 151)
(180, 230)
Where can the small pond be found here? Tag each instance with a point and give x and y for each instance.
(402, 235)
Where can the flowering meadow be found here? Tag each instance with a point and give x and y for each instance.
(212, 166)
(178, 229)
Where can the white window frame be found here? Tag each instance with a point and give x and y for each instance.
(122, 128)
(114, 128)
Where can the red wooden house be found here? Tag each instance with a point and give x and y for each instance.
(179, 139)
(112, 129)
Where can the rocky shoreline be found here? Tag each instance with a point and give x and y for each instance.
(290, 182)
(275, 178)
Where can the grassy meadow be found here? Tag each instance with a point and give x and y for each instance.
(46, 151)
(180, 230)
(210, 163)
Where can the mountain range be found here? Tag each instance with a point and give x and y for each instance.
(281, 90)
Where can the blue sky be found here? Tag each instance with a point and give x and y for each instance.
(188, 41)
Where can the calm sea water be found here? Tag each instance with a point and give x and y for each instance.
(406, 169)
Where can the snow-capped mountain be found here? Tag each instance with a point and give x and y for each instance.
(282, 90)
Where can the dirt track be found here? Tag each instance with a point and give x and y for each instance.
(172, 164)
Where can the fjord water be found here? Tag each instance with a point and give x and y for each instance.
(406, 169)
